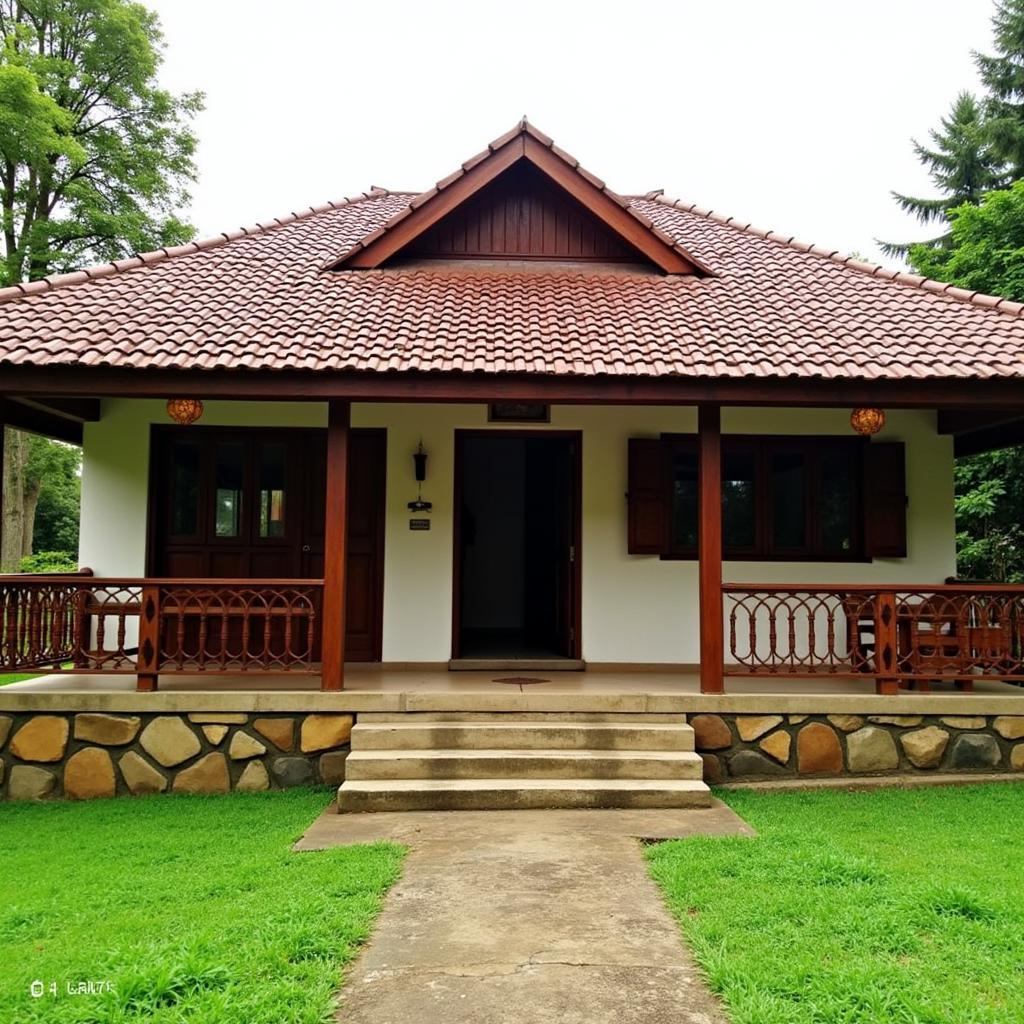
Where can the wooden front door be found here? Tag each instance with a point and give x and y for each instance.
(245, 503)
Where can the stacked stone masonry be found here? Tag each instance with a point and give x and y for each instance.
(748, 747)
(84, 755)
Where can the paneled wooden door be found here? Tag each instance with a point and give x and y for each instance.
(249, 503)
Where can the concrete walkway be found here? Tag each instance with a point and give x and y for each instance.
(527, 917)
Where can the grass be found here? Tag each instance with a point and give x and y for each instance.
(192, 908)
(896, 906)
(16, 677)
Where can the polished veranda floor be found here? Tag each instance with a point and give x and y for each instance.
(378, 679)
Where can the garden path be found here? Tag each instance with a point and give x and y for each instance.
(525, 917)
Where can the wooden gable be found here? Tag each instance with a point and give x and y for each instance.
(523, 198)
(523, 215)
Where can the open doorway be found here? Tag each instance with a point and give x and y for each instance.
(517, 545)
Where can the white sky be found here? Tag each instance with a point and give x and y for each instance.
(793, 114)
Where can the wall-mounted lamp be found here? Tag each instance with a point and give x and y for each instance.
(419, 462)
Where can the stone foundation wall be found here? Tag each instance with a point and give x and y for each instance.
(83, 755)
(746, 747)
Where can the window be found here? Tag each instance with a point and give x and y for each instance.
(185, 490)
(786, 498)
(228, 471)
(272, 471)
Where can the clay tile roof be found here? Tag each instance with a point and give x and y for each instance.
(259, 298)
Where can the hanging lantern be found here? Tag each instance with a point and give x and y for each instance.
(867, 421)
(184, 410)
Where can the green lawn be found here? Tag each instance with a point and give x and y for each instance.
(888, 907)
(16, 678)
(192, 908)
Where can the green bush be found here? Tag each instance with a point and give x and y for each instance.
(49, 561)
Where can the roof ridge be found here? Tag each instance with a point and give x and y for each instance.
(147, 259)
(928, 284)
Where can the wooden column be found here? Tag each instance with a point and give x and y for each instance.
(712, 636)
(886, 643)
(148, 662)
(332, 615)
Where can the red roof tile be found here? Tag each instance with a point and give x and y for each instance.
(258, 299)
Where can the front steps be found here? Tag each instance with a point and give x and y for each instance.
(505, 761)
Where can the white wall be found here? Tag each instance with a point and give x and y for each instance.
(635, 608)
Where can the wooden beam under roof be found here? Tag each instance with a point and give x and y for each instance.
(35, 420)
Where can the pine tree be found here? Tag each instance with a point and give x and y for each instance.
(962, 165)
(1003, 77)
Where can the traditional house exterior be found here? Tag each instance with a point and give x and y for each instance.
(518, 425)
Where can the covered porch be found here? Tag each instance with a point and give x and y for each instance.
(99, 632)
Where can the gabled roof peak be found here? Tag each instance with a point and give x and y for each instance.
(524, 143)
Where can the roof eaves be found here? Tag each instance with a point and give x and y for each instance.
(980, 299)
(148, 259)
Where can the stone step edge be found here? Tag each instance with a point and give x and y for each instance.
(527, 717)
(506, 785)
(497, 753)
(520, 723)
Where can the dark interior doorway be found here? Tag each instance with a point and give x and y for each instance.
(517, 545)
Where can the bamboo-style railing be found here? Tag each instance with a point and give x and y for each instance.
(899, 635)
(149, 627)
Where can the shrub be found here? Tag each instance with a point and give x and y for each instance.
(49, 561)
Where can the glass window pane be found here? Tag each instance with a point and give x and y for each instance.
(272, 472)
(836, 501)
(684, 500)
(228, 489)
(185, 497)
(789, 505)
(739, 500)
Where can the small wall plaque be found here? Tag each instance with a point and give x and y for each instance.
(519, 412)
(419, 524)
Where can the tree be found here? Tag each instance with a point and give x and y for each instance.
(986, 253)
(986, 248)
(989, 497)
(1003, 77)
(46, 482)
(95, 159)
(95, 156)
(962, 166)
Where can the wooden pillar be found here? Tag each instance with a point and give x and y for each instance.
(332, 616)
(148, 662)
(886, 643)
(712, 635)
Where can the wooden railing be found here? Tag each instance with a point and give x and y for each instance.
(149, 627)
(899, 635)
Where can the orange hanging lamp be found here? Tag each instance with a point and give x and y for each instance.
(867, 421)
(184, 410)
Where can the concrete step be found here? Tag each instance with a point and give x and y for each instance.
(504, 717)
(519, 734)
(366, 765)
(518, 794)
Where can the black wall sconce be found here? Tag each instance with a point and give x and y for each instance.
(419, 461)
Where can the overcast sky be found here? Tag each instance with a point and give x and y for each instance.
(793, 114)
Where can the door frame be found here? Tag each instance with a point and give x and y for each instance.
(575, 527)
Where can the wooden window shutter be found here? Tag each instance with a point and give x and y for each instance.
(648, 497)
(885, 500)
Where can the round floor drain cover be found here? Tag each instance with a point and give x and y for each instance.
(521, 680)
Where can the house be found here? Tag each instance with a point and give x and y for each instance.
(518, 424)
